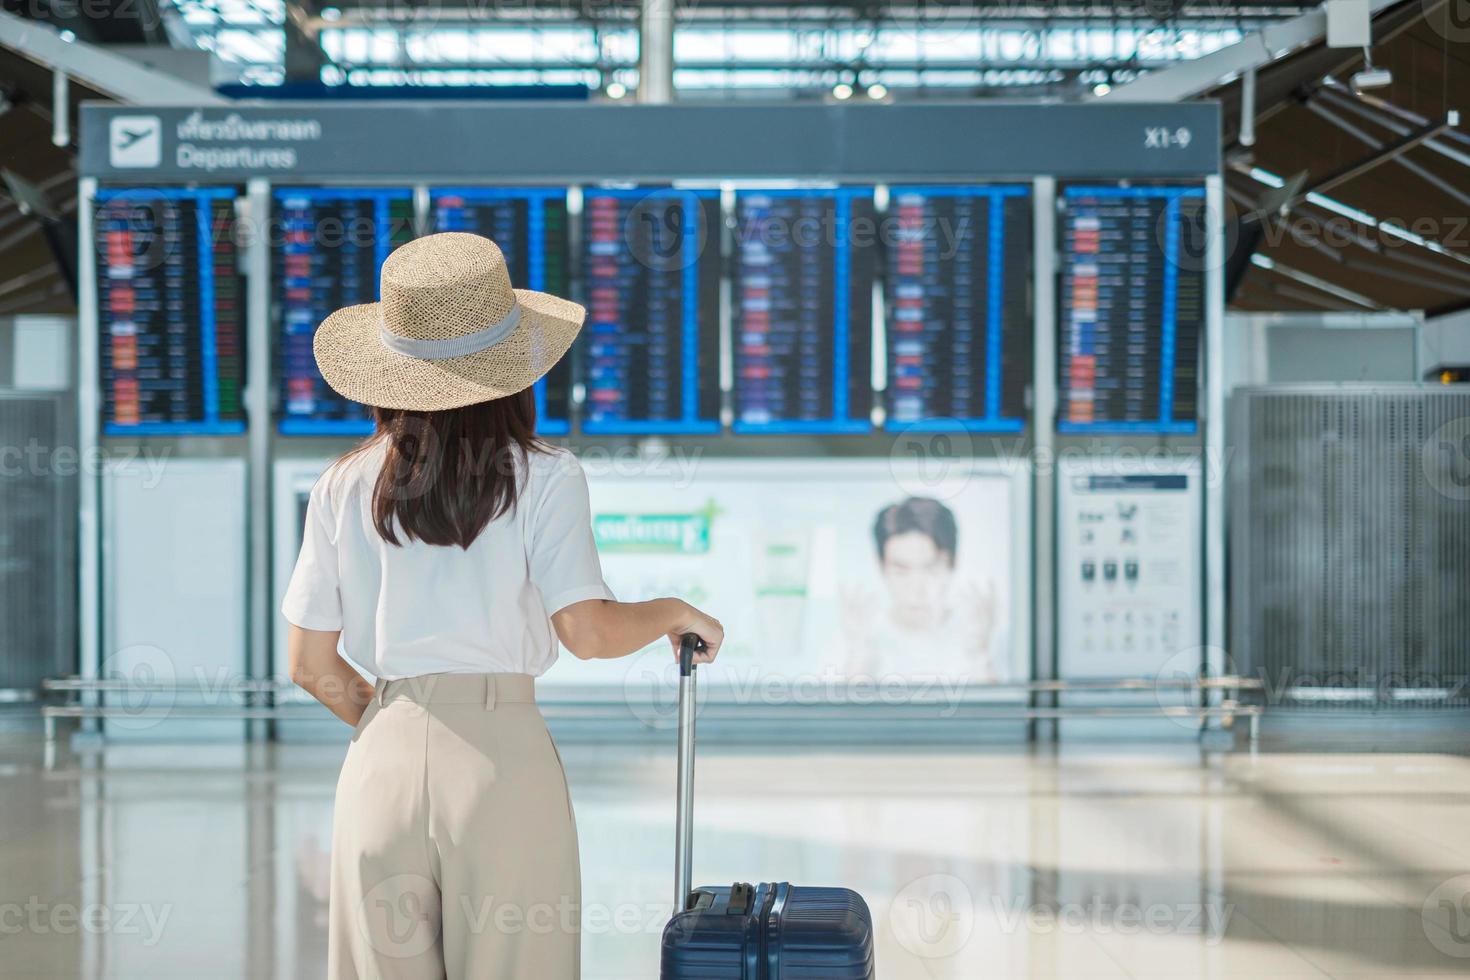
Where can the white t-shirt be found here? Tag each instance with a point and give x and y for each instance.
(416, 608)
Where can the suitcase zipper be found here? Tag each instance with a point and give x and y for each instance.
(771, 923)
(754, 946)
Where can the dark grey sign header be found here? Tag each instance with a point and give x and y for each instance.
(578, 142)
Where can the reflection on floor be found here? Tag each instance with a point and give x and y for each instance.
(209, 861)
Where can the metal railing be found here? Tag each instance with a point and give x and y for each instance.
(257, 702)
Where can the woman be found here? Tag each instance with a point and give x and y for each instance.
(448, 554)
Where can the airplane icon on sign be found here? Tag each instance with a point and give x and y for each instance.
(135, 141)
(130, 136)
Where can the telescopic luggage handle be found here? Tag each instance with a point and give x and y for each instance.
(684, 815)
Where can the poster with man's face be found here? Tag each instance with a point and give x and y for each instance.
(824, 573)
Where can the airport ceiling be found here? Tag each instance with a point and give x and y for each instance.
(1390, 236)
(1310, 123)
(31, 280)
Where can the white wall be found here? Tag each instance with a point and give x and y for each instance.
(1445, 340)
(1281, 348)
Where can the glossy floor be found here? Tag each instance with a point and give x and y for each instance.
(209, 862)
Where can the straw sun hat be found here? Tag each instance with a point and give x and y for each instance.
(449, 331)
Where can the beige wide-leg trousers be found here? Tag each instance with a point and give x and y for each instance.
(454, 850)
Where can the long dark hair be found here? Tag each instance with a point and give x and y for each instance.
(448, 474)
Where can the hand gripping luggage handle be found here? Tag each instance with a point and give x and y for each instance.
(684, 815)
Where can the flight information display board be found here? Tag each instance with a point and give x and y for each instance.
(327, 247)
(1132, 309)
(170, 310)
(530, 226)
(805, 264)
(651, 282)
(958, 307)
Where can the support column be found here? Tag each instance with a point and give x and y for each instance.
(89, 482)
(260, 612)
(60, 109)
(1215, 450)
(304, 58)
(656, 52)
(1043, 443)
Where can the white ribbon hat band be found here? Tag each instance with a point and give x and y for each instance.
(442, 349)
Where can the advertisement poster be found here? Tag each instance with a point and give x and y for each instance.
(828, 575)
(836, 580)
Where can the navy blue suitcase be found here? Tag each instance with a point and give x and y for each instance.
(754, 932)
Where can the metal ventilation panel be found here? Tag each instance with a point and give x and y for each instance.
(38, 557)
(1350, 543)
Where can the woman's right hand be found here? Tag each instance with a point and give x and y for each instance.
(704, 626)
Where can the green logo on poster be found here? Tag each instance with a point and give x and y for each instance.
(676, 534)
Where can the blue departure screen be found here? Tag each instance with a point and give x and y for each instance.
(958, 307)
(530, 226)
(327, 247)
(651, 282)
(170, 308)
(1132, 308)
(805, 264)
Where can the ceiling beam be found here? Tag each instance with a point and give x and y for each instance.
(1330, 288)
(1286, 83)
(1190, 79)
(1393, 118)
(1385, 153)
(94, 66)
(1443, 186)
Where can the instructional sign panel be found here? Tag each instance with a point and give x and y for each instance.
(1130, 558)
